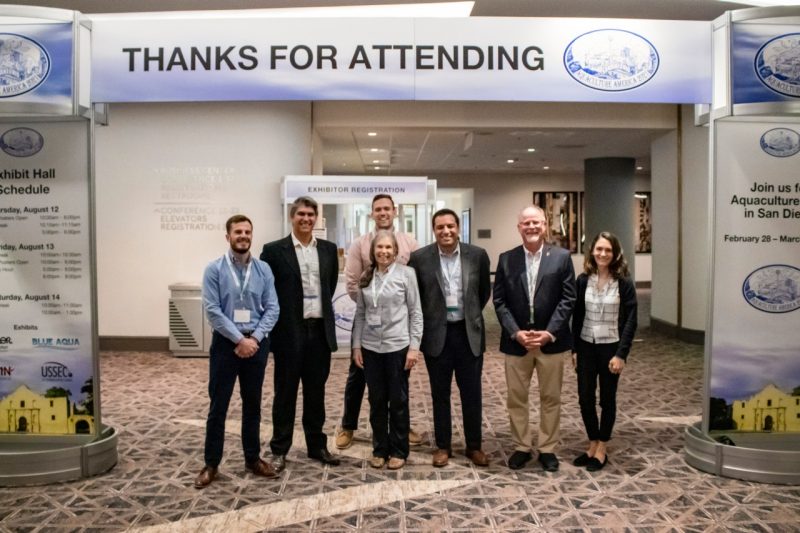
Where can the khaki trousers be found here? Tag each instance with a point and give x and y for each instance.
(550, 374)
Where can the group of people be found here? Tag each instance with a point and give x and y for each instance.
(412, 302)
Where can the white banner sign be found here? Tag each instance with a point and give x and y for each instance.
(355, 189)
(185, 57)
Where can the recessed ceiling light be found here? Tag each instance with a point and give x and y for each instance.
(531, 149)
(372, 133)
(377, 168)
(510, 161)
(376, 160)
(545, 168)
(373, 149)
(639, 168)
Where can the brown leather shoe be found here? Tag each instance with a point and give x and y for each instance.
(477, 457)
(260, 468)
(441, 457)
(205, 477)
(395, 463)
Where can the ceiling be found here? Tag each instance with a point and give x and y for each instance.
(425, 151)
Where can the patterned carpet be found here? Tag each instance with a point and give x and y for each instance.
(158, 404)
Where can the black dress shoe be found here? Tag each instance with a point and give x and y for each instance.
(518, 459)
(549, 462)
(581, 460)
(278, 463)
(325, 457)
(594, 464)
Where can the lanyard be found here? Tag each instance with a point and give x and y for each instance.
(376, 293)
(449, 268)
(243, 285)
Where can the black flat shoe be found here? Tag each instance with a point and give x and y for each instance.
(594, 464)
(581, 460)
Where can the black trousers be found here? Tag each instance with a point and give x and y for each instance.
(592, 369)
(353, 394)
(388, 402)
(309, 364)
(223, 369)
(456, 358)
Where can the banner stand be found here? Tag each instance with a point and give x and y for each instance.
(51, 428)
(751, 414)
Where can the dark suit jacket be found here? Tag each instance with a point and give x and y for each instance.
(476, 287)
(627, 314)
(552, 302)
(282, 259)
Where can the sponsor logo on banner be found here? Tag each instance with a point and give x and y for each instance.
(611, 60)
(21, 142)
(56, 343)
(55, 371)
(773, 288)
(24, 65)
(780, 142)
(778, 64)
(344, 309)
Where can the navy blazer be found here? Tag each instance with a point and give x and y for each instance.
(627, 313)
(475, 285)
(280, 255)
(552, 302)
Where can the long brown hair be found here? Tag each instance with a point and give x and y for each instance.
(366, 277)
(618, 266)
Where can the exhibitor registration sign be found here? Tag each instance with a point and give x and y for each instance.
(754, 370)
(46, 341)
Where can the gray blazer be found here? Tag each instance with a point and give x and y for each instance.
(476, 287)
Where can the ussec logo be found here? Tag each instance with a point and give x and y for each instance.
(21, 142)
(773, 288)
(777, 64)
(611, 60)
(24, 65)
(780, 142)
(55, 371)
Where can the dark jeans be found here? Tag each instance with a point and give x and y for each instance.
(456, 357)
(223, 369)
(592, 367)
(388, 402)
(353, 394)
(309, 363)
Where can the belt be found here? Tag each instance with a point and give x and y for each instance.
(247, 333)
(312, 321)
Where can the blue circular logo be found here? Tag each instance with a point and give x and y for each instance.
(21, 142)
(778, 64)
(344, 311)
(24, 65)
(773, 288)
(780, 142)
(611, 60)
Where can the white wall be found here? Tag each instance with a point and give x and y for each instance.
(664, 184)
(219, 158)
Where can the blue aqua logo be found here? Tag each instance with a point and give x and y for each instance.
(780, 142)
(773, 288)
(24, 65)
(21, 142)
(611, 60)
(778, 64)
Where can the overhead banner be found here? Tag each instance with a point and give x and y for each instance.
(765, 63)
(46, 349)
(755, 369)
(185, 57)
(355, 189)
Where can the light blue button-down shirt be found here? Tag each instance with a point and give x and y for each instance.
(222, 296)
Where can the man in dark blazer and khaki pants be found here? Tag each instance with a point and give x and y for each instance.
(306, 271)
(454, 287)
(534, 294)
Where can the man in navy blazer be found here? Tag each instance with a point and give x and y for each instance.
(454, 287)
(534, 294)
(306, 271)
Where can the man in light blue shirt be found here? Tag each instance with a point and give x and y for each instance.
(241, 304)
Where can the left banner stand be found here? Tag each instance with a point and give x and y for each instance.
(50, 418)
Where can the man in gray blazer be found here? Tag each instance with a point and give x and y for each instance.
(534, 294)
(454, 287)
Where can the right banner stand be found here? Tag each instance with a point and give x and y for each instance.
(751, 413)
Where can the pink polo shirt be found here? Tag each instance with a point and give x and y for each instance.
(358, 257)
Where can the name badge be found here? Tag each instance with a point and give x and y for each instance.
(451, 302)
(601, 332)
(242, 316)
(373, 319)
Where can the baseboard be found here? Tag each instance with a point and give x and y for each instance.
(692, 336)
(134, 344)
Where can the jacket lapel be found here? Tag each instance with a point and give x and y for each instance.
(466, 267)
(543, 263)
(291, 256)
(519, 260)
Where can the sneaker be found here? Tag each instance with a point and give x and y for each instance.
(344, 439)
(396, 463)
(377, 462)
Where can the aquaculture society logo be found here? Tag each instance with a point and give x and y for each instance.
(773, 288)
(21, 142)
(24, 64)
(611, 60)
(778, 64)
(780, 142)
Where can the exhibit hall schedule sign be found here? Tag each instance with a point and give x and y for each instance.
(754, 373)
(251, 56)
(46, 349)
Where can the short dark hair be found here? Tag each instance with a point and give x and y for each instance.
(618, 267)
(304, 201)
(235, 219)
(443, 212)
(382, 196)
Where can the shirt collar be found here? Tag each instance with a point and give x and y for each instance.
(235, 260)
(296, 242)
(537, 255)
(455, 253)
